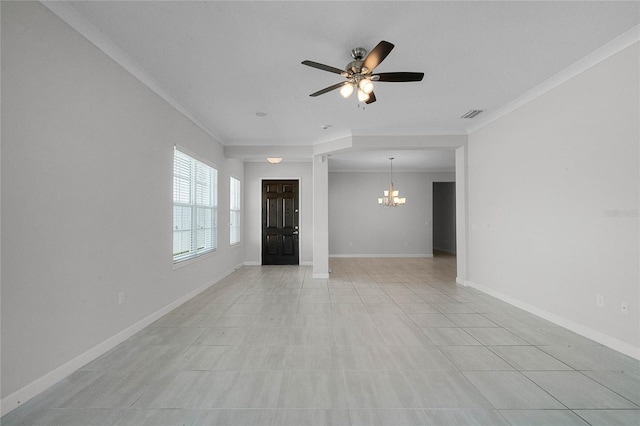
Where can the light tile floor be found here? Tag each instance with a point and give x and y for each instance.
(383, 342)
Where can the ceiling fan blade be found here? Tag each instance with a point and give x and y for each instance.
(328, 89)
(323, 67)
(372, 98)
(398, 77)
(377, 55)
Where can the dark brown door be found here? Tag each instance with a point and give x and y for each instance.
(280, 232)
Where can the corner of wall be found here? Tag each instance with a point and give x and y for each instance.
(19, 397)
(606, 340)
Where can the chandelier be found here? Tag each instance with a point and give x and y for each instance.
(391, 197)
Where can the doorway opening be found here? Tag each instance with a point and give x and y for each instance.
(444, 218)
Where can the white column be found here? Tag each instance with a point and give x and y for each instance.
(462, 216)
(320, 217)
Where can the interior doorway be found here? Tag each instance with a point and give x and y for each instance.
(444, 217)
(280, 229)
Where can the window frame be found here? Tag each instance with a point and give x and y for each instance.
(235, 208)
(200, 212)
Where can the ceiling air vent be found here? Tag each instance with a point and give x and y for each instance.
(472, 113)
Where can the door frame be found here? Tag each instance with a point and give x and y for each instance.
(302, 230)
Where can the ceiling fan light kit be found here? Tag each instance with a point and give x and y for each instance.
(362, 96)
(346, 90)
(366, 86)
(359, 73)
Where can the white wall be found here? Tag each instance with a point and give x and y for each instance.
(542, 183)
(86, 202)
(254, 174)
(359, 226)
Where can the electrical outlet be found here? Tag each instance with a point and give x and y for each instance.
(624, 308)
(600, 300)
(121, 298)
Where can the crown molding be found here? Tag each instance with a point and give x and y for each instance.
(75, 20)
(394, 172)
(616, 45)
(331, 137)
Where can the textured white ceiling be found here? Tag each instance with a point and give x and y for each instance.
(225, 61)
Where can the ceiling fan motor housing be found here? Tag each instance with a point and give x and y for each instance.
(355, 67)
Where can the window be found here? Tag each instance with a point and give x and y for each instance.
(195, 202)
(234, 224)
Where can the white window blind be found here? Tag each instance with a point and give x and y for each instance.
(194, 207)
(234, 215)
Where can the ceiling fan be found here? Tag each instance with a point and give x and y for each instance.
(359, 73)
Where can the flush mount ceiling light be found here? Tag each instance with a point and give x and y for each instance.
(391, 197)
(359, 73)
(274, 160)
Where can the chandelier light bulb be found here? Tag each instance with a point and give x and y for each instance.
(346, 90)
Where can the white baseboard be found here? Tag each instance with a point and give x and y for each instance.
(381, 255)
(19, 397)
(306, 263)
(461, 281)
(320, 276)
(604, 339)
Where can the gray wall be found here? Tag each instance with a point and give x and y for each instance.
(359, 226)
(444, 216)
(87, 163)
(545, 183)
